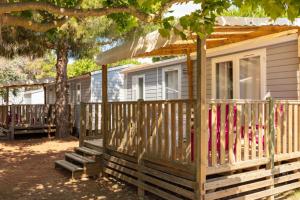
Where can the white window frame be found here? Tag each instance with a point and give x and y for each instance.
(235, 58)
(135, 86)
(78, 84)
(168, 69)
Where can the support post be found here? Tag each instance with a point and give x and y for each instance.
(189, 65)
(104, 106)
(7, 96)
(271, 137)
(82, 130)
(140, 145)
(12, 126)
(201, 120)
(45, 95)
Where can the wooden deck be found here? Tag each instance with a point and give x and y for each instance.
(27, 119)
(252, 147)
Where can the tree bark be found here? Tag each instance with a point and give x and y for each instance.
(61, 104)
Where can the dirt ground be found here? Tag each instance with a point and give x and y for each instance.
(27, 173)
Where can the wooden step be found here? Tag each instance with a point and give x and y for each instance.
(95, 144)
(76, 171)
(88, 151)
(78, 158)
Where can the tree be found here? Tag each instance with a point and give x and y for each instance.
(59, 25)
(82, 66)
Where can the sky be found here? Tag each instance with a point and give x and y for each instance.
(180, 10)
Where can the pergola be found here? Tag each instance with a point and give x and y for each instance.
(228, 30)
(26, 84)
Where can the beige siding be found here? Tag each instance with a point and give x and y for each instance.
(281, 71)
(282, 67)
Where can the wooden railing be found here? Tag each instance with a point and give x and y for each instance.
(32, 115)
(90, 121)
(122, 127)
(27, 115)
(238, 131)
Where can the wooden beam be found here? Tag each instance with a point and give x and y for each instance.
(104, 106)
(201, 122)
(7, 96)
(45, 95)
(189, 64)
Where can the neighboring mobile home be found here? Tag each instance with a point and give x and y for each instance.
(87, 88)
(253, 69)
(79, 90)
(115, 84)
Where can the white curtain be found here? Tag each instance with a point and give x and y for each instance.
(171, 81)
(250, 78)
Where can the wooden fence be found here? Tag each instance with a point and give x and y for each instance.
(253, 147)
(90, 121)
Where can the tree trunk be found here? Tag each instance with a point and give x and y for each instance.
(61, 104)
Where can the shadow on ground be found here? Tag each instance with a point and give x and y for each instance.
(27, 172)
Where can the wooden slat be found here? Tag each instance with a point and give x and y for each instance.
(222, 134)
(187, 151)
(238, 189)
(148, 125)
(290, 128)
(180, 132)
(238, 133)
(153, 141)
(296, 128)
(231, 134)
(90, 114)
(173, 131)
(260, 127)
(267, 131)
(278, 128)
(246, 132)
(213, 135)
(97, 119)
(284, 135)
(253, 130)
(166, 132)
(159, 130)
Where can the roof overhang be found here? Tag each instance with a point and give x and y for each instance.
(27, 83)
(229, 30)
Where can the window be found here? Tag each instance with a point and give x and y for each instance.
(250, 78)
(78, 93)
(138, 87)
(239, 76)
(224, 80)
(172, 82)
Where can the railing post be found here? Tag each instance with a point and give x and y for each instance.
(12, 127)
(82, 130)
(201, 144)
(140, 147)
(104, 117)
(271, 142)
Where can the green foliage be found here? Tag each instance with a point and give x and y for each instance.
(158, 59)
(42, 67)
(244, 12)
(82, 66)
(12, 70)
(125, 62)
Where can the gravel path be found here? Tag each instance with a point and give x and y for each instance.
(27, 173)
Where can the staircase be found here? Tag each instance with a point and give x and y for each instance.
(85, 161)
(4, 134)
